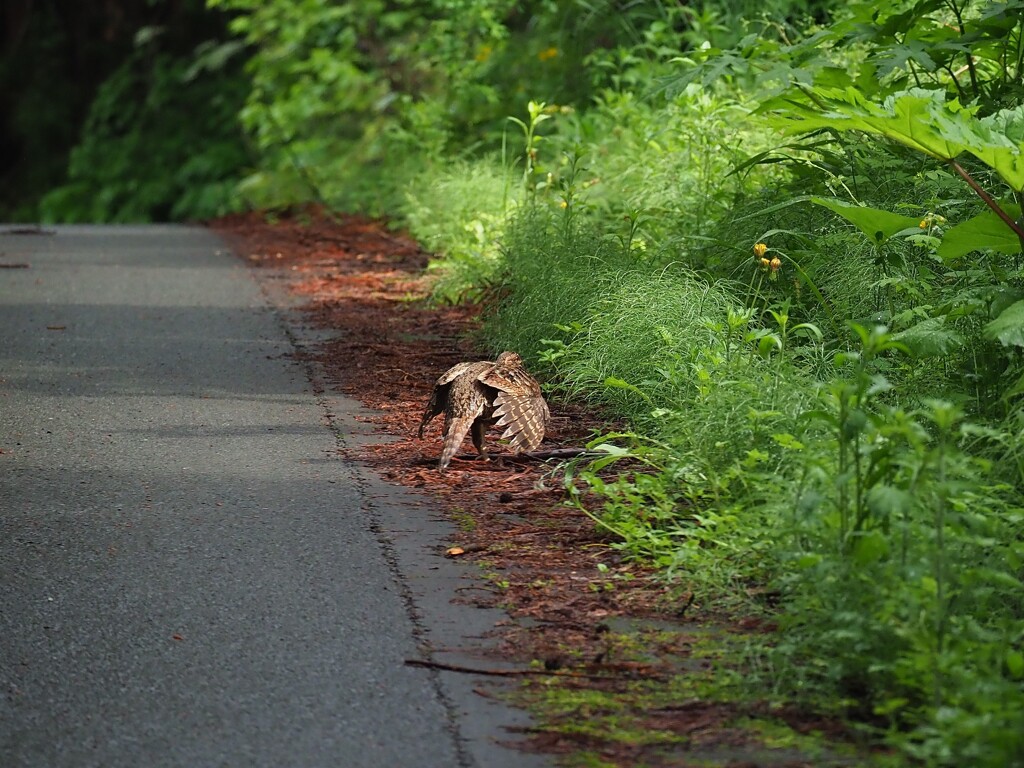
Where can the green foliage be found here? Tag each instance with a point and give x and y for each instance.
(460, 216)
(968, 48)
(343, 95)
(146, 152)
(877, 225)
(314, 93)
(880, 495)
(905, 520)
(903, 547)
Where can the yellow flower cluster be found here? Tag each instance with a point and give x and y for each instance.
(774, 263)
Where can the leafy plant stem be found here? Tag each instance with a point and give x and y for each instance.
(844, 512)
(1019, 197)
(1020, 56)
(807, 91)
(956, 82)
(958, 12)
(940, 567)
(574, 498)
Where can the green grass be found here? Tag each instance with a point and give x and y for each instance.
(459, 214)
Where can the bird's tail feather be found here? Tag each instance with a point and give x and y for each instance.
(455, 433)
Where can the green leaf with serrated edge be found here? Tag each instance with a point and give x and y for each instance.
(869, 547)
(999, 143)
(1015, 663)
(930, 338)
(885, 500)
(877, 224)
(917, 118)
(1008, 328)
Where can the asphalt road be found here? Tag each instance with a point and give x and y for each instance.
(189, 575)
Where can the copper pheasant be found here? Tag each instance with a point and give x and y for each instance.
(474, 396)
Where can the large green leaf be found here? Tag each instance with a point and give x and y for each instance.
(877, 224)
(986, 230)
(931, 338)
(1008, 328)
(999, 143)
(918, 118)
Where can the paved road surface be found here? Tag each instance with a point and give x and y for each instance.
(188, 574)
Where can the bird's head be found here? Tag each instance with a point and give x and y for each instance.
(509, 358)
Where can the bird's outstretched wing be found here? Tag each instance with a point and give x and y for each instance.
(519, 405)
(524, 418)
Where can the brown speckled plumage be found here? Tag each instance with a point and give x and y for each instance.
(473, 396)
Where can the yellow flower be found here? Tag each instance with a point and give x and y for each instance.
(760, 249)
(765, 262)
(775, 264)
(923, 224)
(547, 53)
(563, 204)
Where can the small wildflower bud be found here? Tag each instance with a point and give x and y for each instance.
(764, 262)
(923, 224)
(563, 204)
(775, 264)
(760, 249)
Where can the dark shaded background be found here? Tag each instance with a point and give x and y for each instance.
(54, 56)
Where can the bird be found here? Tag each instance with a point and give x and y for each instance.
(476, 395)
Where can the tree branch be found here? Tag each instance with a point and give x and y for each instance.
(632, 669)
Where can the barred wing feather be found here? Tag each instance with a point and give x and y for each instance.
(524, 418)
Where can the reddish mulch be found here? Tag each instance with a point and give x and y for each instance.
(367, 283)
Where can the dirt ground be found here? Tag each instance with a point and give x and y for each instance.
(548, 563)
